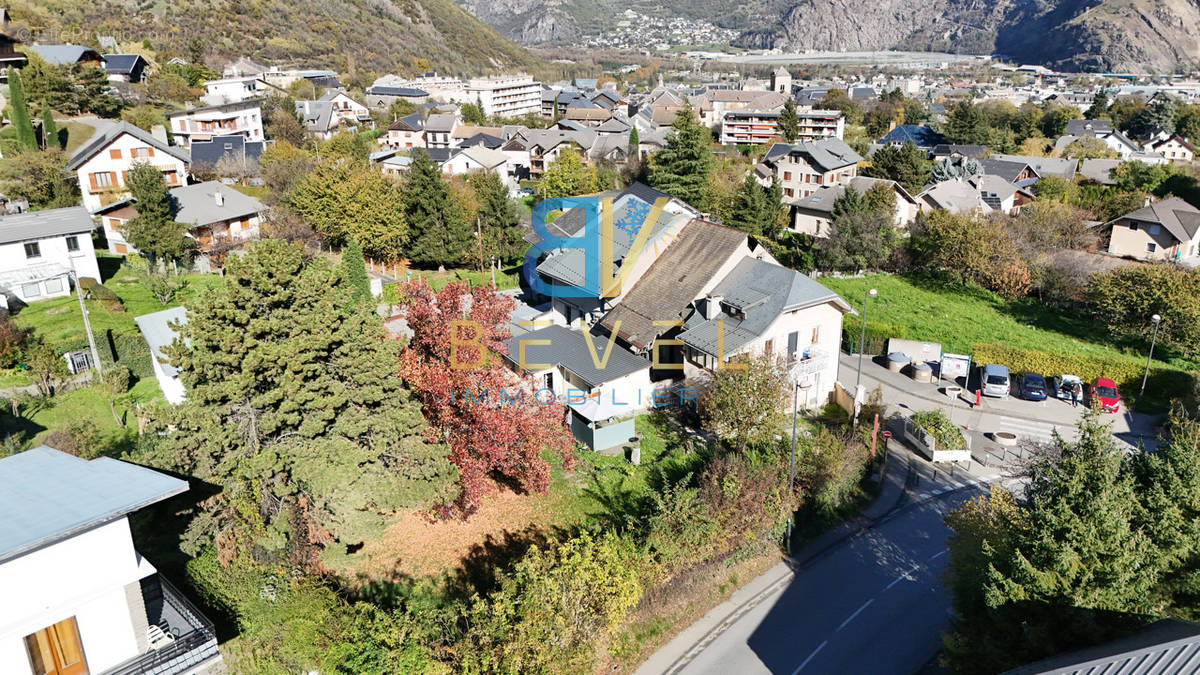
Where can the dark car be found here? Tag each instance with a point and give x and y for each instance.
(1032, 386)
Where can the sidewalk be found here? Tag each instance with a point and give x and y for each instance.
(903, 471)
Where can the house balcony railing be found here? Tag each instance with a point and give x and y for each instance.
(187, 638)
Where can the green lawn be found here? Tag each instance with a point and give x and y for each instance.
(959, 317)
(77, 134)
(505, 278)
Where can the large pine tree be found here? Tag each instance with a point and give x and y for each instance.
(354, 271)
(789, 121)
(757, 209)
(683, 166)
(440, 232)
(292, 402)
(1072, 569)
(499, 222)
(154, 230)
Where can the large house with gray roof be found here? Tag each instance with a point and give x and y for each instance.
(41, 250)
(803, 168)
(103, 163)
(1163, 230)
(813, 215)
(78, 595)
(216, 214)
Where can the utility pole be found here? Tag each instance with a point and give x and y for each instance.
(1157, 322)
(792, 470)
(87, 324)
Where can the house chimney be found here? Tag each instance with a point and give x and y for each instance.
(159, 132)
(712, 306)
(219, 196)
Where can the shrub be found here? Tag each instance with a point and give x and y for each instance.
(97, 291)
(828, 468)
(945, 432)
(117, 379)
(11, 339)
(878, 333)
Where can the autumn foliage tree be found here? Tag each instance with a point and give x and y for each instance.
(481, 409)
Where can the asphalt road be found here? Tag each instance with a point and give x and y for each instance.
(874, 604)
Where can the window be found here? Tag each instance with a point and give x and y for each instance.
(816, 336)
(72, 243)
(768, 347)
(54, 285)
(55, 650)
(1153, 229)
(787, 175)
(142, 152)
(115, 153)
(1151, 247)
(1133, 227)
(114, 224)
(31, 290)
(33, 250)
(102, 179)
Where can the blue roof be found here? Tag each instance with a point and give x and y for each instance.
(921, 135)
(49, 496)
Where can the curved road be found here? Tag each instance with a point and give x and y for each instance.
(873, 604)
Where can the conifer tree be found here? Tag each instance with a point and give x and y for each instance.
(1099, 108)
(499, 223)
(49, 129)
(19, 112)
(789, 121)
(354, 270)
(154, 231)
(683, 166)
(440, 231)
(756, 209)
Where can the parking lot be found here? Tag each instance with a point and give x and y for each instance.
(1030, 421)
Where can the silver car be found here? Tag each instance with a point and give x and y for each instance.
(994, 380)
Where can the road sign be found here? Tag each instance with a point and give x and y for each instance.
(887, 434)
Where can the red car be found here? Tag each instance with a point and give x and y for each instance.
(1105, 395)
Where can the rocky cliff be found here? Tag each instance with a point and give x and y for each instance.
(1110, 35)
(527, 22)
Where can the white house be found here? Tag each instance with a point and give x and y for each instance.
(214, 212)
(78, 597)
(233, 89)
(157, 329)
(40, 250)
(814, 214)
(480, 159)
(103, 163)
(242, 118)
(323, 117)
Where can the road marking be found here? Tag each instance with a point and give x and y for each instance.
(902, 577)
(810, 657)
(856, 612)
(939, 554)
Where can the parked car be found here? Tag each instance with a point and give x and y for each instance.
(1032, 386)
(1062, 386)
(1105, 395)
(993, 380)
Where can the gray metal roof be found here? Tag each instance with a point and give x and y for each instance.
(111, 134)
(122, 63)
(49, 496)
(197, 204)
(823, 199)
(43, 224)
(1165, 647)
(62, 55)
(1044, 166)
(760, 291)
(1180, 218)
(156, 328)
(1089, 127)
(569, 349)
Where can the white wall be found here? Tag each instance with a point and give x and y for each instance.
(84, 577)
(104, 162)
(171, 387)
(241, 120)
(53, 250)
(827, 319)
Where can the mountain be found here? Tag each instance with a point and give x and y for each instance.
(1091, 35)
(348, 36)
(1108, 35)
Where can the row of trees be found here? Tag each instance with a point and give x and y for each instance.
(1097, 545)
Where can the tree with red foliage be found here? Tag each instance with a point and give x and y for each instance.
(453, 366)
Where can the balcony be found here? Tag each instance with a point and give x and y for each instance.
(180, 637)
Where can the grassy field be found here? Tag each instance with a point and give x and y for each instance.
(959, 317)
(77, 134)
(509, 277)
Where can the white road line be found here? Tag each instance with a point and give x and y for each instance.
(856, 612)
(810, 657)
(939, 554)
(902, 577)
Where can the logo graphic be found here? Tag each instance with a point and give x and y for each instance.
(596, 242)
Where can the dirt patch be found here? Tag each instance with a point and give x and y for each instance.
(416, 546)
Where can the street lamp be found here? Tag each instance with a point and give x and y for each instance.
(1157, 322)
(792, 470)
(863, 338)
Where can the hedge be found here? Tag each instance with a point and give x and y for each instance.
(1127, 373)
(878, 333)
(102, 294)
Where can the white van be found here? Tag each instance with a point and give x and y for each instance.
(993, 379)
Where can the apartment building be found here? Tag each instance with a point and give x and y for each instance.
(758, 127)
(505, 95)
(242, 118)
(103, 163)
